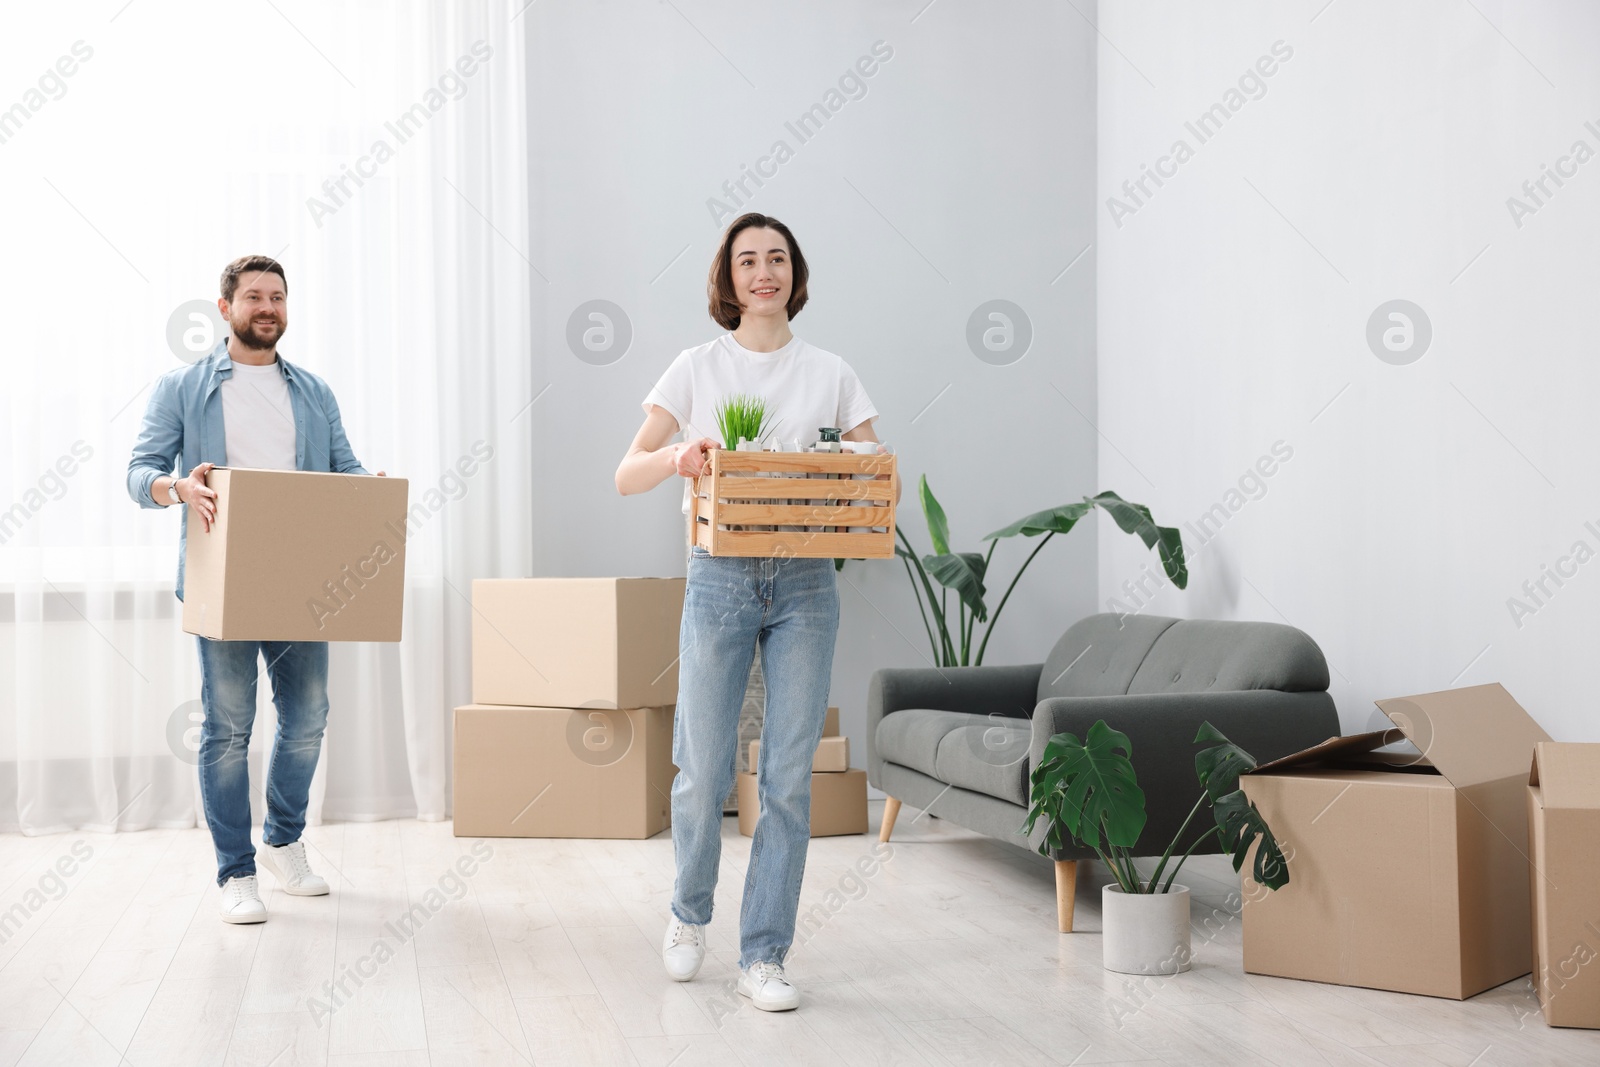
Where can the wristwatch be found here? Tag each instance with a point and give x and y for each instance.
(172, 491)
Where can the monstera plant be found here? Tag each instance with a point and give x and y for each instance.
(965, 573)
(1087, 791)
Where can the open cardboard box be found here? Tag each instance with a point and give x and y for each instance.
(1564, 835)
(1407, 872)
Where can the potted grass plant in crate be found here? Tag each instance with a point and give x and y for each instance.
(742, 420)
(1087, 791)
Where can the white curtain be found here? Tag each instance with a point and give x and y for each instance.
(156, 142)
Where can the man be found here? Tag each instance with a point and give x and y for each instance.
(244, 406)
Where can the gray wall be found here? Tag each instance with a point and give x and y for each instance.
(964, 174)
(1424, 490)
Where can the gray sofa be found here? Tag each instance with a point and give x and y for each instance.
(960, 742)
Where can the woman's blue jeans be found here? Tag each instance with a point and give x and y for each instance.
(228, 675)
(789, 608)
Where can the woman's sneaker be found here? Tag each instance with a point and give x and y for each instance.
(290, 867)
(241, 903)
(683, 950)
(767, 988)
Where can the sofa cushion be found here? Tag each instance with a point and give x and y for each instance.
(911, 737)
(1199, 655)
(986, 754)
(1099, 655)
(989, 758)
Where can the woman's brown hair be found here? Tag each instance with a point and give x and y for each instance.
(725, 306)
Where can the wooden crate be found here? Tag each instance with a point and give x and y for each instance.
(738, 504)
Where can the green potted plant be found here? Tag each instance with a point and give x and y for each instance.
(964, 573)
(1086, 791)
(742, 418)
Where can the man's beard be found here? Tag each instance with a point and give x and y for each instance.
(251, 339)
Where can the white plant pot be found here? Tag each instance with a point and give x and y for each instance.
(1145, 933)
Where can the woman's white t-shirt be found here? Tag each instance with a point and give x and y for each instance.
(805, 389)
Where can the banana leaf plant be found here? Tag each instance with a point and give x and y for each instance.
(1086, 791)
(965, 573)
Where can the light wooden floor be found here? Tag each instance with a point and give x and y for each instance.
(947, 954)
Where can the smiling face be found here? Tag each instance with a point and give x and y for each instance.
(258, 314)
(761, 272)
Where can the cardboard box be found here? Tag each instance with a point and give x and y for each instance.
(562, 772)
(832, 755)
(1564, 835)
(830, 728)
(838, 803)
(297, 556)
(576, 642)
(1406, 873)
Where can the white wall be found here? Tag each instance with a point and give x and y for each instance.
(1233, 306)
(966, 173)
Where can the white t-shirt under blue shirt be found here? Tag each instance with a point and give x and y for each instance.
(805, 389)
(258, 418)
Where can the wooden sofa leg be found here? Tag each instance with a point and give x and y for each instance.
(1066, 893)
(891, 811)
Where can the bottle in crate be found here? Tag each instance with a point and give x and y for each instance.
(866, 448)
(828, 441)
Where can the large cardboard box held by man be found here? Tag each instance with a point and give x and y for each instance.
(576, 642)
(297, 556)
(1564, 877)
(1406, 873)
(562, 772)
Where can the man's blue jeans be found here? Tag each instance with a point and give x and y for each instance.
(790, 608)
(228, 671)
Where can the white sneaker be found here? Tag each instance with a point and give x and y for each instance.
(241, 903)
(289, 866)
(767, 988)
(683, 950)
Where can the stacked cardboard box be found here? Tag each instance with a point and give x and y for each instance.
(570, 729)
(838, 793)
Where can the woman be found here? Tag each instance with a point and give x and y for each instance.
(789, 607)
